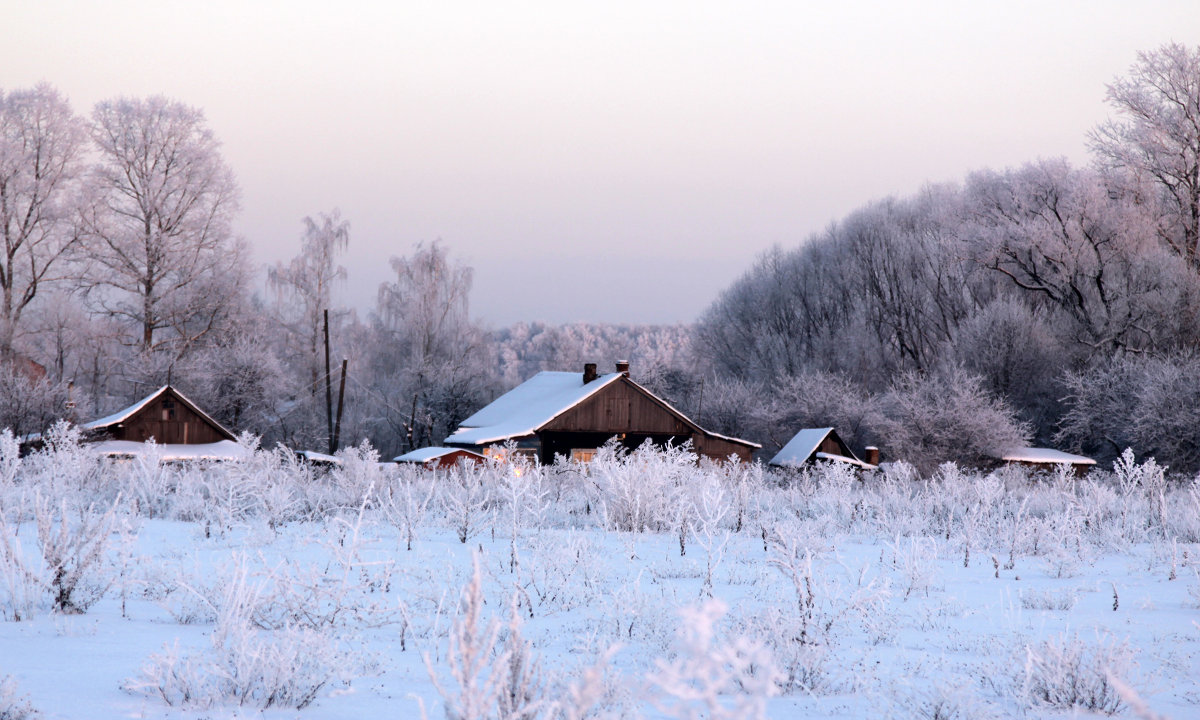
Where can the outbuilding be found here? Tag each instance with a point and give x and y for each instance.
(180, 430)
(812, 445)
(438, 458)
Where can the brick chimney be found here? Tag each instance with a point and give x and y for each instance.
(872, 455)
(589, 372)
(623, 367)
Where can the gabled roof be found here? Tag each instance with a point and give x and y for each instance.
(1045, 455)
(803, 446)
(521, 411)
(123, 415)
(424, 455)
(533, 404)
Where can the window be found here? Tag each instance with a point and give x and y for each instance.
(168, 409)
(583, 455)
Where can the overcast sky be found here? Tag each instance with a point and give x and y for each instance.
(622, 162)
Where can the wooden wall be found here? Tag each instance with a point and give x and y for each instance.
(169, 422)
(619, 408)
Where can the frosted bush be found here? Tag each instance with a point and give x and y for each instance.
(245, 666)
(945, 699)
(1058, 600)
(638, 490)
(70, 571)
(712, 677)
(466, 497)
(1066, 672)
(12, 705)
(406, 502)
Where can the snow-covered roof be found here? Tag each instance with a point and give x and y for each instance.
(123, 415)
(1045, 455)
(423, 455)
(221, 450)
(801, 447)
(527, 407)
(804, 444)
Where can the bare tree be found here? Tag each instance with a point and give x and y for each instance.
(42, 146)
(1158, 137)
(159, 234)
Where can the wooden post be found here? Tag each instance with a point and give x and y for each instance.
(337, 426)
(328, 387)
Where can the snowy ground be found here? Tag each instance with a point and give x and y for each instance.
(958, 596)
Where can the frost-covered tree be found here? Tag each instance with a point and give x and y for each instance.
(304, 287)
(1066, 237)
(429, 365)
(159, 236)
(42, 150)
(1157, 137)
(946, 417)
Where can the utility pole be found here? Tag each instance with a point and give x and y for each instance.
(328, 388)
(337, 426)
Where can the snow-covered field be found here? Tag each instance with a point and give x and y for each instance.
(641, 586)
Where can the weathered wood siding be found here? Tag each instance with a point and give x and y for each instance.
(169, 421)
(619, 408)
(720, 448)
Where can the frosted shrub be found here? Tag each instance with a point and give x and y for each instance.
(713, 679)
(942, 700)
(10, 460)
(466, 495)
(1058, 600)
(406, 501)
(244, 666)
(472, 658)
(638, 490)
(915, 559)
(1068, 673)
(70, 572)
(13, 706)
(1183, 513)
(357, 475)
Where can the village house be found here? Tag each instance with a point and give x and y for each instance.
(811, 445)
(572, 414)
(181, 431)
(438, 458)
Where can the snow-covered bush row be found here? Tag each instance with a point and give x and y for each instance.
(306, 582)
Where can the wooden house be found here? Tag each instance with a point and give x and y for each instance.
(1047, 459)
(812, 445)
(439, 458)
(181, 430)
(573, 414)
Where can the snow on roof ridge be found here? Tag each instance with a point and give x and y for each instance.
(527, 407)
(123, 415)
(1044, 455)
(802, 445)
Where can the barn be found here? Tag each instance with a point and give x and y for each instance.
(814, 444)
(572, 414)
(181, 430)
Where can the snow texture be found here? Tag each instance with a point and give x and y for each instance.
(424, 455)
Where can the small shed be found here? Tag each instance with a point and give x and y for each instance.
(1047, 459)
(439, 458)
(180, 429)
(572, 414)
(815, 444)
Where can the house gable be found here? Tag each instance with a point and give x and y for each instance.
(621, 407)
(165, 415)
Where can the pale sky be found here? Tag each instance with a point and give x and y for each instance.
(618, 161)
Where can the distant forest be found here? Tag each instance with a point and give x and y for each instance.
(1046, 304)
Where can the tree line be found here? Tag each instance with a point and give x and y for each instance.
(1048, 303)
